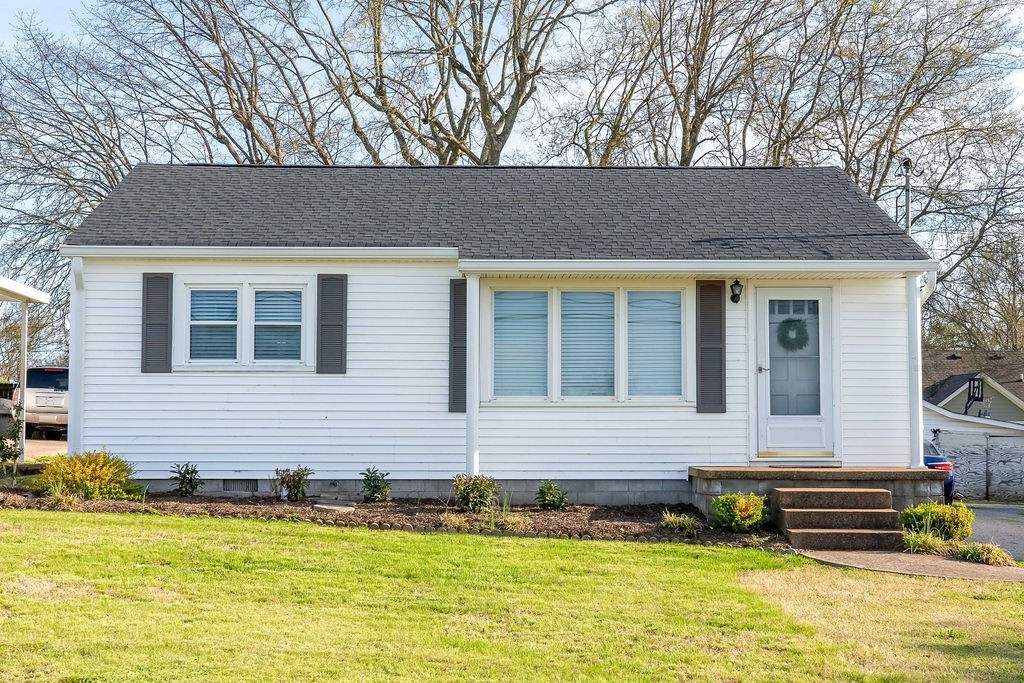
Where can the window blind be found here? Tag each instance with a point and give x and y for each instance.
(588, 343)
(278, 332)
(520, 343)
(216, 337)
(654, 345)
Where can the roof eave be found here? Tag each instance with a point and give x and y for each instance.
(725, 267)
(204, 252)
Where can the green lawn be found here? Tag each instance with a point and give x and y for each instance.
(106, 597)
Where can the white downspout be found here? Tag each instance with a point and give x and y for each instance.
(916, 425)
(472, 374)
(929, 285)
(23, 379)
(76, 358)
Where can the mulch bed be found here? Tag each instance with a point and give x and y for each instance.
(629, 522)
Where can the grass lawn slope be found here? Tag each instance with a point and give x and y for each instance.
(143, 597)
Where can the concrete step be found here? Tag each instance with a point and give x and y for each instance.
(831, 498)
(845, 539)
(837, 518)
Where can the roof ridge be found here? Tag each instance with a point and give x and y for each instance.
(490, 168)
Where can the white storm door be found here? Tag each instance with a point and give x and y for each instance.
(794, 370)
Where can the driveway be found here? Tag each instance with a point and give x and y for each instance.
(1001, 523)
(39, 448)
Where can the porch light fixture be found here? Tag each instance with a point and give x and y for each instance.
(736, 289)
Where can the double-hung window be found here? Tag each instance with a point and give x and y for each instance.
(588, 343)
(213, 325)
(603, 345)
(654, 343)
(239, 324)
(520, 343)
(278, 326)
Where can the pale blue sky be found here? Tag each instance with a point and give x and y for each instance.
(53, 14)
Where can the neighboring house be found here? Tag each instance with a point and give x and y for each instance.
(998, 378)
(607, 328)
(982, 432)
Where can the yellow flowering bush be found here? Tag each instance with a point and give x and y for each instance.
(93, 474)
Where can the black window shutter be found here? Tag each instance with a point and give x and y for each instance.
(156, 322)
(710, 346)
(331, 323)
(457, 347)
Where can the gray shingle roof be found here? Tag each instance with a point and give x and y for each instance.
(504, 212)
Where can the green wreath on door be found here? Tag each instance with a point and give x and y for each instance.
(792, 334)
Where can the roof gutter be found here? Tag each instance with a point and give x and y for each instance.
(676, 267)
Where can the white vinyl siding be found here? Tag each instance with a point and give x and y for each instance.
(873, 368)
(390, 410)
(588, 343)
(521, 343)
(654, 335)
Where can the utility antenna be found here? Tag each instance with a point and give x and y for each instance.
(907, 170)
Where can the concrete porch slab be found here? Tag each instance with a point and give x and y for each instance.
(819, 473)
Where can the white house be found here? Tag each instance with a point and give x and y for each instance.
(605, 327)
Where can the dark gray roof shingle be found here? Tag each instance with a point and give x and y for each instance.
(504, 212)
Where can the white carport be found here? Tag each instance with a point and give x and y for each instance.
(25, 295)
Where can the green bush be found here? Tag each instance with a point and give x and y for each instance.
(186, 480)
(985, 553)
(950, 522)
(376, 487)
(551, 497)
(89, 475)
(741, 512)
(475, 493)
(926, 542)
(687, 524)
(293, 482)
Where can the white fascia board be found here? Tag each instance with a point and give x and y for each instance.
(987, 421)
(723, 267)
(15, 291)
(356, 253)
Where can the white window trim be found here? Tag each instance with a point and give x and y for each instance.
(246, 287)
(688, 346)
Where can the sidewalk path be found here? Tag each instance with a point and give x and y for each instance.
(917, 565)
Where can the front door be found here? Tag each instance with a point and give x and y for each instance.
(794, 372)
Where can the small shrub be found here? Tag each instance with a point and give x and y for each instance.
(926, 542)
(376, 487)
(985, 553)
(950, 522)
(512, 522)
(453, 520)
(741, 512)
(59, 499)
(688, 525)
(293, 482)
(475, 493)
(186, 479)
(551, 497)
(89, 475)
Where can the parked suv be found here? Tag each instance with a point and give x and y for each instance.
(46, 399)
(935, 460)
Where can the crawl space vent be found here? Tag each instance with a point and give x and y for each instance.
(242, 485)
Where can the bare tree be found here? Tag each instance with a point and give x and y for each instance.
(983, 306)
